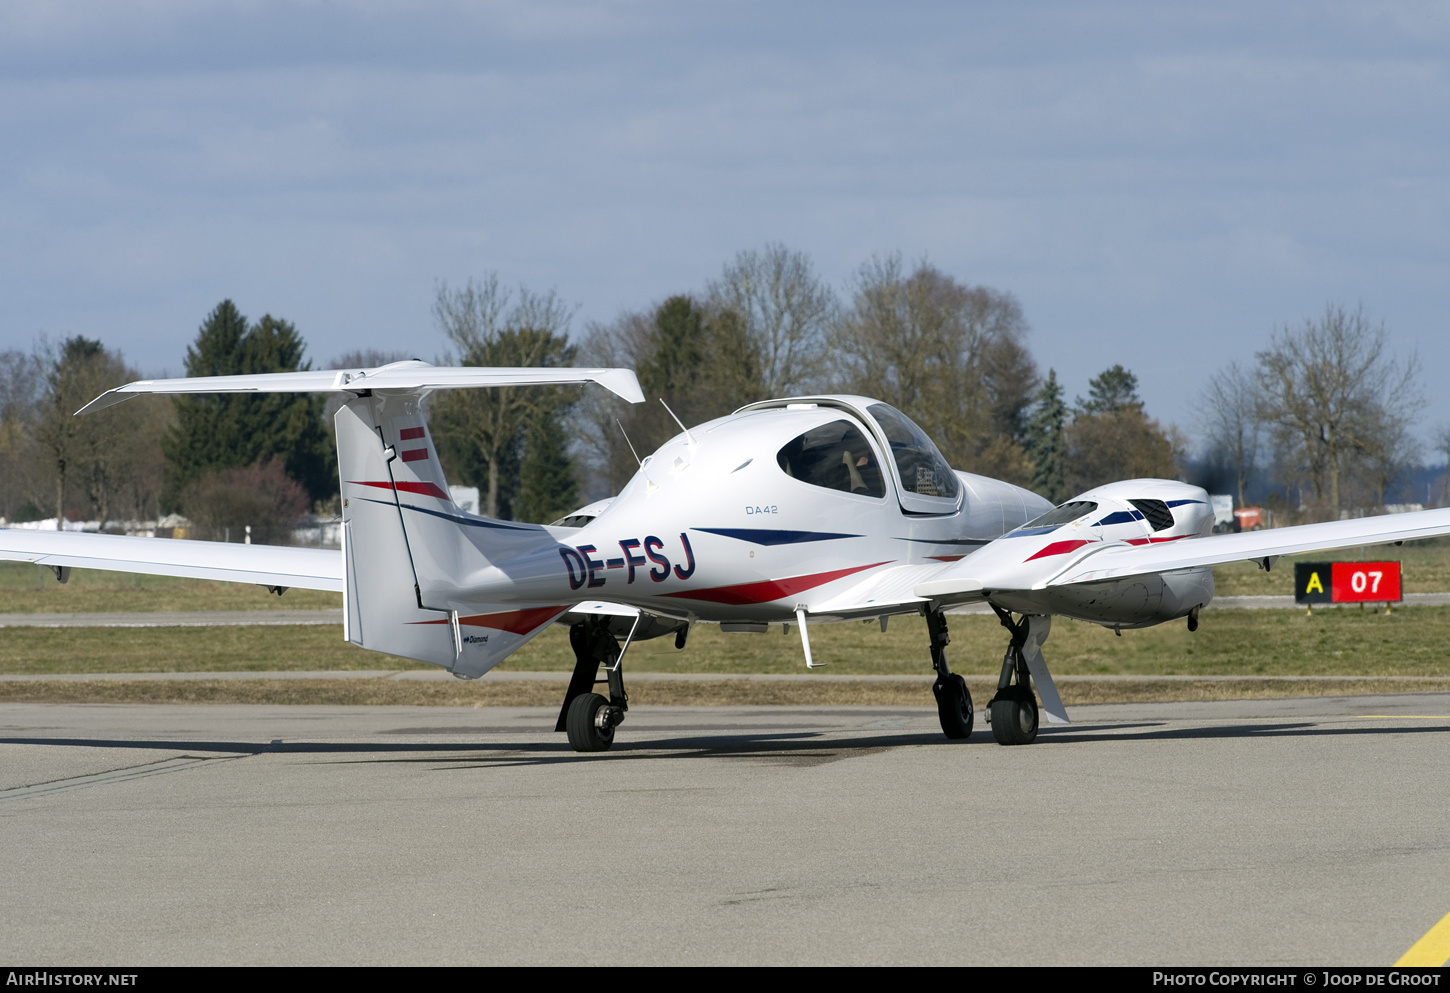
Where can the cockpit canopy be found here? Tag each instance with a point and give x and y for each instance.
(846, 454)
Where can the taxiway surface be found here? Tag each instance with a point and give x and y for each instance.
(1308, 831)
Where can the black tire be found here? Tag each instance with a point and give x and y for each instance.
(581, 723)
(1014, 717)
(954, 706)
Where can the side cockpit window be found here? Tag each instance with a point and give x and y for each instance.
(836, 456)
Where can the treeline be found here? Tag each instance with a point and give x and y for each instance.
(226, 461)
(952, 356)
(1326, 406)
(1322, 418)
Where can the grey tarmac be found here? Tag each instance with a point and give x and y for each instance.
(1296, 832)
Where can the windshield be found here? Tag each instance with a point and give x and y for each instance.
(922, 468)
(1065, 514)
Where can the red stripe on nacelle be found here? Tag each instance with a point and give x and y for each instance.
(408, 434)
(1058, 548)
(771, 589)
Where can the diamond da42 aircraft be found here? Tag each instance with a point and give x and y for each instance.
(788, 512)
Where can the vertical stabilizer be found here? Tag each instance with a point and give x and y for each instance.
(408, 548)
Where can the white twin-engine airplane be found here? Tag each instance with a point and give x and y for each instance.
(787, 512)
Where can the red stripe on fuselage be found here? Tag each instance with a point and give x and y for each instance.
(425, 489)
(771, 589)
(512, 621)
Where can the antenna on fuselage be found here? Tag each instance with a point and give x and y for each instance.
(649, 484)
(629, 443)
(688, 437)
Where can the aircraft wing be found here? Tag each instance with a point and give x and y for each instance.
(895, 590)
(400, 376)
(265, 565)
(1118, 561)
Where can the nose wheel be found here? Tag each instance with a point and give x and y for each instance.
(1013, 713)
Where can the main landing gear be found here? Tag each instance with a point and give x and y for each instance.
(588, 718)
(953, 700)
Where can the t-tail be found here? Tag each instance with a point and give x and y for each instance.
(422, 578)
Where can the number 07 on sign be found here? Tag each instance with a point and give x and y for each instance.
(1346, 582)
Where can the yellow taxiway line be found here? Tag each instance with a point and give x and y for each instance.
(1432, 950)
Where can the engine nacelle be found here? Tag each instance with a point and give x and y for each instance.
(1134, 512)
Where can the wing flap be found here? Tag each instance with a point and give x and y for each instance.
(265, 565)
(900, 589)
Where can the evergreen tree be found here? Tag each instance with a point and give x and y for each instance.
(1045, 447)
(1114, 390)
(231, 430)
(548, 487)
(1111, 437)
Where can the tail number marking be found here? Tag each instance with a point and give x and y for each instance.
(585, 569)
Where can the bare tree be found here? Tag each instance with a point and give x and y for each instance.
(1442, 447)
(488, 326)
(1334, 397)
(21, 378)
(91, 450)
(697, 358)
(949, 355)
(1230, 408)
(786, 310)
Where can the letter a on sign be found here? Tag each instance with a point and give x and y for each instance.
(1311, 582)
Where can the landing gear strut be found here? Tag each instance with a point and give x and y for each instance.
(588, 718)
(953, 701)
(1013, 711)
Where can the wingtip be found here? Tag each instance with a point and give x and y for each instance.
(622, 382)
(107, 399)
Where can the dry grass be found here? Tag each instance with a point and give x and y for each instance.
(32, 589)
(660, 693)
(1345, 642)
(1424, 568)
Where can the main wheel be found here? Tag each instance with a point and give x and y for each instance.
(1014, 716)
(583, 724)
(954, 706)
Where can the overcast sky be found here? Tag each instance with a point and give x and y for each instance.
(1161, 186)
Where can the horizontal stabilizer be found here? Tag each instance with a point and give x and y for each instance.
(265, 565)
(410, 375)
